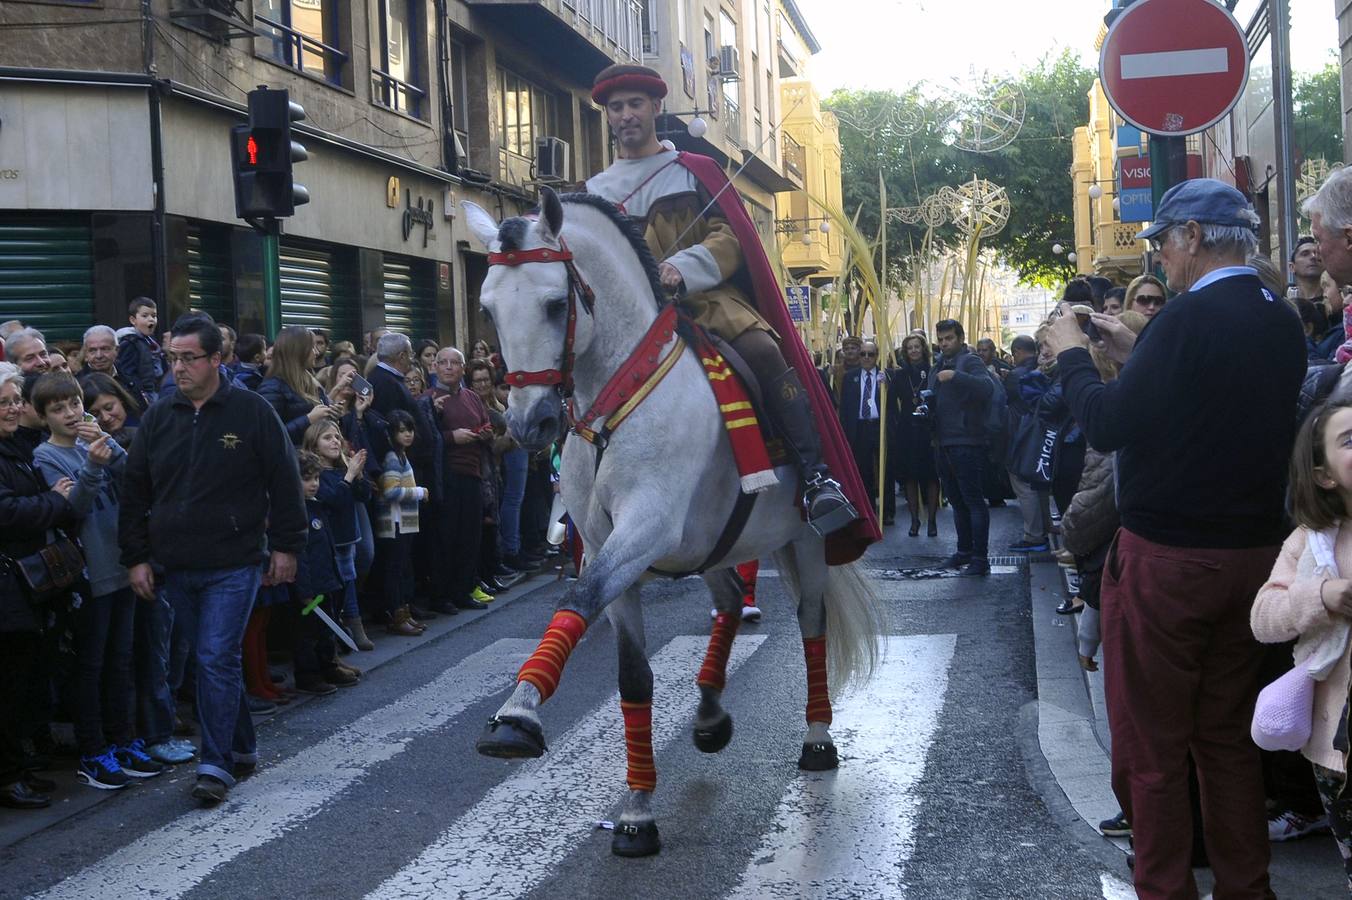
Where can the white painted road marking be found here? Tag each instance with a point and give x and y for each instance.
(1211, 61)
(848, 833)
(510, 841)
(172, 860)
(1116, 888)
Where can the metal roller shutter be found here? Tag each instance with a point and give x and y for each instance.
(211, 280)
(410, 297)
(320, 290)
(47, 275)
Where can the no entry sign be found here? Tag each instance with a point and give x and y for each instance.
(1173, 67)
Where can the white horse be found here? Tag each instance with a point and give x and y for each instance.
(658, 497)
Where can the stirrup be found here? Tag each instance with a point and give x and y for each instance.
(821, 490)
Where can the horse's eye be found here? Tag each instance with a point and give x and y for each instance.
(556, 307)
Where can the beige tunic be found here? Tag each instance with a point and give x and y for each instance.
(664, 198)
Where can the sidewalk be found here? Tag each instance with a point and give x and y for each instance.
(72, 798)
(1073, 734)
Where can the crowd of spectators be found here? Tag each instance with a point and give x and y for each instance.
(1133, 430)
(174, 506)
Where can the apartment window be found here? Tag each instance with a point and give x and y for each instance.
(527, 112)
(460, 91)
(396, 81)
(302, 34)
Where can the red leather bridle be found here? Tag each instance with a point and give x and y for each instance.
(577, 289)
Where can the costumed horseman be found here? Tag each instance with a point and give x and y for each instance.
(680, 203)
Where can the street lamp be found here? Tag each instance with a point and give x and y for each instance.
(1095, 192)
(1058, 249)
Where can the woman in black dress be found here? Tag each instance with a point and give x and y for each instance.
(912, 438)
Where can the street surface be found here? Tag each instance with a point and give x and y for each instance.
(377, 791)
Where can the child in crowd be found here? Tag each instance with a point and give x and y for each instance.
(140, 364)
(342, 486)
(317, 668)
(396, 524)
(103, 620)
(111, 405)
(250, 350)
(1309, 596)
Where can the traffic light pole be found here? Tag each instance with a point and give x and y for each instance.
(272, 278)
(1168, 165)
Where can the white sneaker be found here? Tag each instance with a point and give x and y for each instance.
(751, 614)
(1289, 826)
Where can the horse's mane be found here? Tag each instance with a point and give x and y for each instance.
(512, 234)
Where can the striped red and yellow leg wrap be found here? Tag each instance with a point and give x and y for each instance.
(638, 744)
(713, 674)
(545, 666)
(818, 700)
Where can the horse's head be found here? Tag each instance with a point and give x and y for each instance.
(530, 305)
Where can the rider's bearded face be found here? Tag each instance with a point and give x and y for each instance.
(632, 116)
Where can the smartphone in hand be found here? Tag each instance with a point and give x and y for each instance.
(361, 386)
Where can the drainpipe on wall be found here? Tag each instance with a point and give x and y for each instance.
(1279, 19)
(158, 245)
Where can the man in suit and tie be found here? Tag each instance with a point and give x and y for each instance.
(861, 419)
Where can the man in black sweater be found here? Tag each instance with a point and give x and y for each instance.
(212, 493)
(1203, 443)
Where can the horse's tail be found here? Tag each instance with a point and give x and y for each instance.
(856, 620)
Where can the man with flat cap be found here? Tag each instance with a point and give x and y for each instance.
(710, 256)
(1202, 448)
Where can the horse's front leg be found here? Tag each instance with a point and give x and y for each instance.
(805, 560)
(636, 831)
(515, 731)
(713, 725)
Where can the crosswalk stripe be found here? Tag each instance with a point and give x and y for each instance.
(848, 833)
(1115, 888)
(172, 860)
(509, 842)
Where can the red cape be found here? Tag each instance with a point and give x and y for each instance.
(848, 544)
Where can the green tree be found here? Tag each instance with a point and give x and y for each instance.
(906, 137)
(1317, 101)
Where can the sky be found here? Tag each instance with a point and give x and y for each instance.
(884, 44)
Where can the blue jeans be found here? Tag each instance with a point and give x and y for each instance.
(159, 665)
(514, 464)
(961, 469)
(213, 606)
(103, 647)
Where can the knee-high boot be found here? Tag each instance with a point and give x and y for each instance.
(786, 400)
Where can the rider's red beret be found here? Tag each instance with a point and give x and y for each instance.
(627, 78)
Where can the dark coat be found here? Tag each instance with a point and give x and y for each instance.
(210, 488)
(960, 404)
(140, 365)
(851, 397)
(317, 566)
(28, 509)
(291, 407)
(389, 393)
(1092, 518)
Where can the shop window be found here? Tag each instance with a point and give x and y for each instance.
(396, 77)
(305, 35)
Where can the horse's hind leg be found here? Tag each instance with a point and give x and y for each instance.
(805, 563)
(713, 725)
(636, 831)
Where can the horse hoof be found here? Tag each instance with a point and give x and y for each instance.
(818, 758)
(634, 840)
(715, 737)
(510, 737)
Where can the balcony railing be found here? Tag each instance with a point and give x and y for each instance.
(795, 159)
(733, 122)
(293, 47)
(615, 25)
(397, 95)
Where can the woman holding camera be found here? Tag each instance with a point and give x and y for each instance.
(911, 454)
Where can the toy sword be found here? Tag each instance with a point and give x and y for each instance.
(313, 606)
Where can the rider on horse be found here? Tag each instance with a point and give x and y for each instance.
(702, 261)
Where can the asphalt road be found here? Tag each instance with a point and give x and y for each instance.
(377, 791)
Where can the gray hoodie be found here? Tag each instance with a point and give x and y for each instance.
(94, 498)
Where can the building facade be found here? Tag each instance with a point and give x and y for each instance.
(115, 170)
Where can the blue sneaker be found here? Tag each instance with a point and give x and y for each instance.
(170, 752)
(1030, 546)
(136, 762)
(102, 771)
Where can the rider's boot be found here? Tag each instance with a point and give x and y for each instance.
(786, 400)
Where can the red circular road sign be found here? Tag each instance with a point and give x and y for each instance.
(1173, 67)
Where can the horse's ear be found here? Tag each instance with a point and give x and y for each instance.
(480, 222)
(551, 215)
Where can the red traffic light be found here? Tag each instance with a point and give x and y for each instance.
(251, 150)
